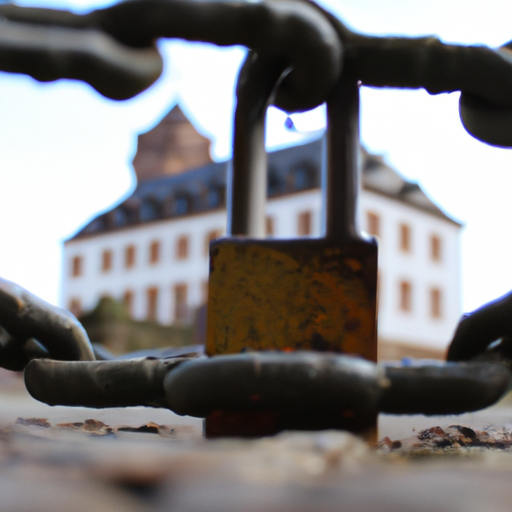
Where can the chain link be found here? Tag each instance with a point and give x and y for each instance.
(114, 50)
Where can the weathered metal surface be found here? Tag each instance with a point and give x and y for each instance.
(16, 354)
(296, 294)
(116, 53)
(100, 383)
(292, 294)
(54, 50)
(443, 388)
(258, 81)
(270, 391)
(300, 294)
(25, 316)
(330, 386)
(301, 391)
(296, 31)
(476, 331)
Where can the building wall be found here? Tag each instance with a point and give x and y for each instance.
(165, 274)
(290, 213)
(420, 269)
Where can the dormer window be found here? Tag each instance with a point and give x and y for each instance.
(301, 177)
(214, 196)
(98, 224)
(119, 218)
(274, 183)
(148, 211)
(181, 205)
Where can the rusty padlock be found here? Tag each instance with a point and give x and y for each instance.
(300, 294)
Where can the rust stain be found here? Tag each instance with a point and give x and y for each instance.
(354, 264)
(269, 295)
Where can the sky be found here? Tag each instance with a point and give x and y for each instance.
(66, 152)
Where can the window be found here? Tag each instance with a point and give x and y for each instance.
(211, 235)
(182, 247)
(148, 211)
(181, 205)
(215, 196)
(119, 218)
(154, 252)
(435, 303)
(405, 237)
(75, 306)
(269, 226)
(373, 224)
(274, 183)
(304, 223)
(180, 303)
(435, 248)
(405, 296)
(76, 266)
(128, 301)
(106, 261)
(98, 224)
(152, 298)
(129, 256)
(301, 177)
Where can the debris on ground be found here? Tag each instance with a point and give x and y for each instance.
(148, 467)
(96, 427)
(455, 439)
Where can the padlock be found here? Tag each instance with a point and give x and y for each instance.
(300, 294)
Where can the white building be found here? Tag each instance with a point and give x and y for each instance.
(152, 250)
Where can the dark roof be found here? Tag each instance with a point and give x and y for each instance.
(290, 170)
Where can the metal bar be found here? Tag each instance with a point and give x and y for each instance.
(293, 29)
(121, 383)
(341, 182)
(247, 183)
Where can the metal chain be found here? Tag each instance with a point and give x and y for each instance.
(53, 348)
(26, 317)
(114, 50)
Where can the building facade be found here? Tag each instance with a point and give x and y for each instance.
(151, 251)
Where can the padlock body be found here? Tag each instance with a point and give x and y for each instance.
(300, 294)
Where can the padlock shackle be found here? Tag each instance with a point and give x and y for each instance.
(247, 181)
(340, 174)
(258, 81)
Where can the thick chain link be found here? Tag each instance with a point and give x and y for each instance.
(53, 348)
(26, 318)
(114, 50)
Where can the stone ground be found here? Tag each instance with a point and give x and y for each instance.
(153, 460)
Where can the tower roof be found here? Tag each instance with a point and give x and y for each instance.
(173, 146)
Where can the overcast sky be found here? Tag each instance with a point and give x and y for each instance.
(65, 152)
